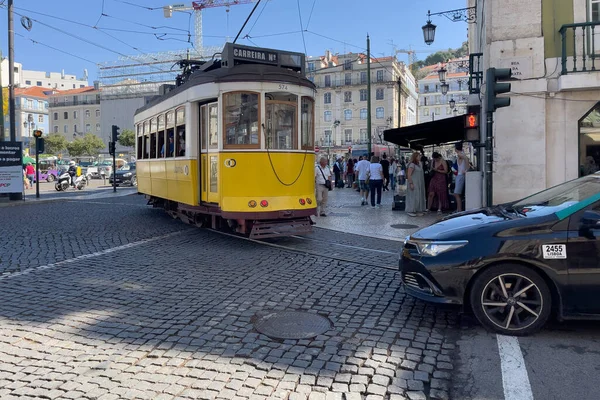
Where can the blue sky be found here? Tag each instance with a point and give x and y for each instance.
(326, 25)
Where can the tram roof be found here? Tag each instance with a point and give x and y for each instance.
(237, 73)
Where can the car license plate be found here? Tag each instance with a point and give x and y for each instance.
(554, 251)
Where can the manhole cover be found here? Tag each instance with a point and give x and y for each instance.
(292, 325)
(404, 226)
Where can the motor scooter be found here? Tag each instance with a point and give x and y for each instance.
(64, 180)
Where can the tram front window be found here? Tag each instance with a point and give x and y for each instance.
(241, 119)
(281, 126)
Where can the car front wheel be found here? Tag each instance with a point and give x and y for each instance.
(511, 299)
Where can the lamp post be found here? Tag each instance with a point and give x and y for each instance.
(29, 123)
(468, 14)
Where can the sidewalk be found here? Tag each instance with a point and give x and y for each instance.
(345, 214)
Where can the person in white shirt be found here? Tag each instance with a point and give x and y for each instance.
(376, 176)
(362, 170)
(459, 184)
(322, 174)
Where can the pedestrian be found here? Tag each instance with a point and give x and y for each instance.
(30, 170)
(349, 173)
(415, 193)
(385, 164)
(25, 179)
(462, 168)
(376, 176)
(438, 187)
(337, 171)
(362, 170)
(322, 185)
(392, 173)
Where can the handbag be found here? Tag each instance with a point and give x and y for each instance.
(327, 181)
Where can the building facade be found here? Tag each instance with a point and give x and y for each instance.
(50, 80)
(433, 105)
(31, 112)
(341, 99)
(551, 131)
(76, 112)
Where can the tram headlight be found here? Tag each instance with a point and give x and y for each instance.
(308, 200)
(252, 203)
(264, 203)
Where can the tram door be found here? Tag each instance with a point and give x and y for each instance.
(209, 152)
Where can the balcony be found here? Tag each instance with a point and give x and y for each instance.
(579, 54)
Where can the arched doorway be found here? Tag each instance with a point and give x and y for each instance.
(589, 142)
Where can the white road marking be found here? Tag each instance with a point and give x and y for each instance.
(515, 380)
(86, 256)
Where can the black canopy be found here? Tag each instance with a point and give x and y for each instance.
(446, 130)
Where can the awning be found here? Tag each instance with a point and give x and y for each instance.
(446, 130)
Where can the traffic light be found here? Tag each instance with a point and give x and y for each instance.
(471, 121)
(494, 88)
(39, 145)
(37, 133)
(111, 148)
(115, 133)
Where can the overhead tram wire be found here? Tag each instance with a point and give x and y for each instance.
(311, 13)
(257, 18)
(300, 17)
(245, 22)
(56, 49)
(101, 14)
(138, 5)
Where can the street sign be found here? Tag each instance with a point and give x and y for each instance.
(11, 167)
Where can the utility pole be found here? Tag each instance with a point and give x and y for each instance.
(369, 96)
(399, 102)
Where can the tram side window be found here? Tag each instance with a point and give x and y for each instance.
(139, 141)
(240, 120)
(146, 140)
(170, 150)
(281, 121)
(213, 127)
(308, 123)
(180, 130)
(153, 138)
(161, 135)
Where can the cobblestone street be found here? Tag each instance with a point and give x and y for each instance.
(111, 299)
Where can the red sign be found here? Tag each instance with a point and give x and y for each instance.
(471, 121)
(316, 149)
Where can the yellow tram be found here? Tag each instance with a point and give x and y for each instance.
(232, 144)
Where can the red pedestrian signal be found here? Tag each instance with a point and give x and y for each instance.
(471, 121)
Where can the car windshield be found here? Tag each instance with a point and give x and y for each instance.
(127, 167)
(559, 197)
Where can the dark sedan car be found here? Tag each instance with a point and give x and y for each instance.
(124, 176)
(516, 264)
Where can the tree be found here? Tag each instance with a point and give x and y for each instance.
(127, 138)
(89, 145)
(55, 143)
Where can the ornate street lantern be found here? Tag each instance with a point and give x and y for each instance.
(452, 103)
(429, 30)
(442, 74)
(445, 88)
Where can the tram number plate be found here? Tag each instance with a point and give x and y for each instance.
(283, 87)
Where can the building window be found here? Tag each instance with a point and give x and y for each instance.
(348, 115)
(56, 116)
(74, 114)
(379, 94)
(327, 137)
(28, 82)
(363, 135)
(363, 94)
(437, 111)
(88, 128)
(379, 114)
(66, 129)
(426, 88)
(55, 129)
(347, 97)
(327, 116)
(97, 113)
(40, 118)
(363, 113)
(66, 115)
(74, 128)
(426, 111)
(327, 98)
(363, 78)
(39, 83)
(348, 79)
(97, 127)
(348, 136)
(30, 104)
(347, 64)
(311, 66)
(380, 76)
(327, 80)
(87, 113)
(460, 83)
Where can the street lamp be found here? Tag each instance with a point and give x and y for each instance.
(468, 14)
(452, 103)
(445, 88)
(30, 123)
(442, 74)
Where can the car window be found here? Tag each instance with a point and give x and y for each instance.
(561, 197)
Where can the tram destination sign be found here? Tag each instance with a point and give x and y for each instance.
(11, 169)
(234, 54)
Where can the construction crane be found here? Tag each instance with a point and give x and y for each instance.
(197, 7)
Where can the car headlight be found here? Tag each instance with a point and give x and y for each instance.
(127, 175)
(433, 249)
